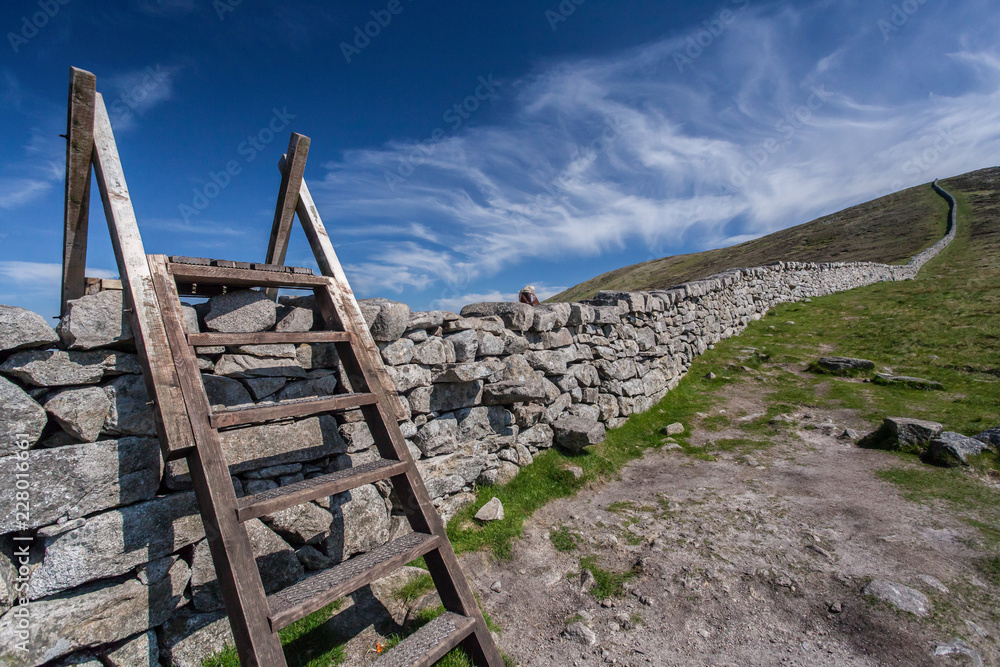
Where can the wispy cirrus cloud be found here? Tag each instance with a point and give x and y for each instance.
(770, 127)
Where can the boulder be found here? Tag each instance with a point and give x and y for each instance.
(491, 511)
(21, 418)
(278, 351)
(70, 482)
(907, 381)
(445, 475)
(409, 376)
(516, 316)
(431, 352)
(21, 329)
(80, 412)
(301, 524)
(550, 316)
(953, 449)
(466, 344)
(513, 391)
(139, 651)
(363, 523)
(991, 437)
(356, 436)
(841, 364)
(899, 596)
(580, 633)
(250, 366)
(131, 412)
(551, 362)
(96, 614)
(324, 385)
(580, 314)
(226, 392)
(398, 352)
(490, 345)
(438, 436)
(387, 320)
(575, 433)
(95, 320)
(673, 429)
(902, 433)
(278, 565)
(539, 436)
(189, 637)
(56, 368)
(430, 319)
(446, 396)
(467, 372)
(115, 542)
(293, 319)
(242, 311)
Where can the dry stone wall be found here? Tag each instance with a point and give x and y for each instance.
(103, 558)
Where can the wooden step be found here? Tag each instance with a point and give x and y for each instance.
(259, 266)
(302, 407)
(430, 643)
(242, 278)
(268, 338)
(315, 592)
(274, 500)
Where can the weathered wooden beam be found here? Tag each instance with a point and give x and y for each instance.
(162, 384)
(79, 154)
(288, 199)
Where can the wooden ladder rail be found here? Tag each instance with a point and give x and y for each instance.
(340, 310)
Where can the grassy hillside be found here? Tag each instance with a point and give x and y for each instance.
(890, 229)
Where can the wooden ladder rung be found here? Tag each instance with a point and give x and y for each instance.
(274, 500)
(268, 338)
(259, 266)
(430, 643)
(303, 407)
(233, 277)
(315, 592)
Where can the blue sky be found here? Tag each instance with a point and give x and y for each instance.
(463, 150)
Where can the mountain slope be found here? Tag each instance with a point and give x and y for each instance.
(890, 229)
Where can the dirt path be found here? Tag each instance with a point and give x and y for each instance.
(757, 558)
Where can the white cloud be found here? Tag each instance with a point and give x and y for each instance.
(42, 274)
(765, 131)
(16, 192)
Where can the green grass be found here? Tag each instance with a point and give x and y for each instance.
(563, 539)
(609, 583)
(307, 643)
(415, 589)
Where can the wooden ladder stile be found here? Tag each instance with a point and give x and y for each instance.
(190, 427)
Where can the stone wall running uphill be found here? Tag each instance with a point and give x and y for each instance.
(109, 547)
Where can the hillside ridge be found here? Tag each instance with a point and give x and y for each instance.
(888, 230)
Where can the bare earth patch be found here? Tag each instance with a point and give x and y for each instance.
(756, 558)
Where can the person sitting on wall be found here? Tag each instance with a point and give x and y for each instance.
(528, 296)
